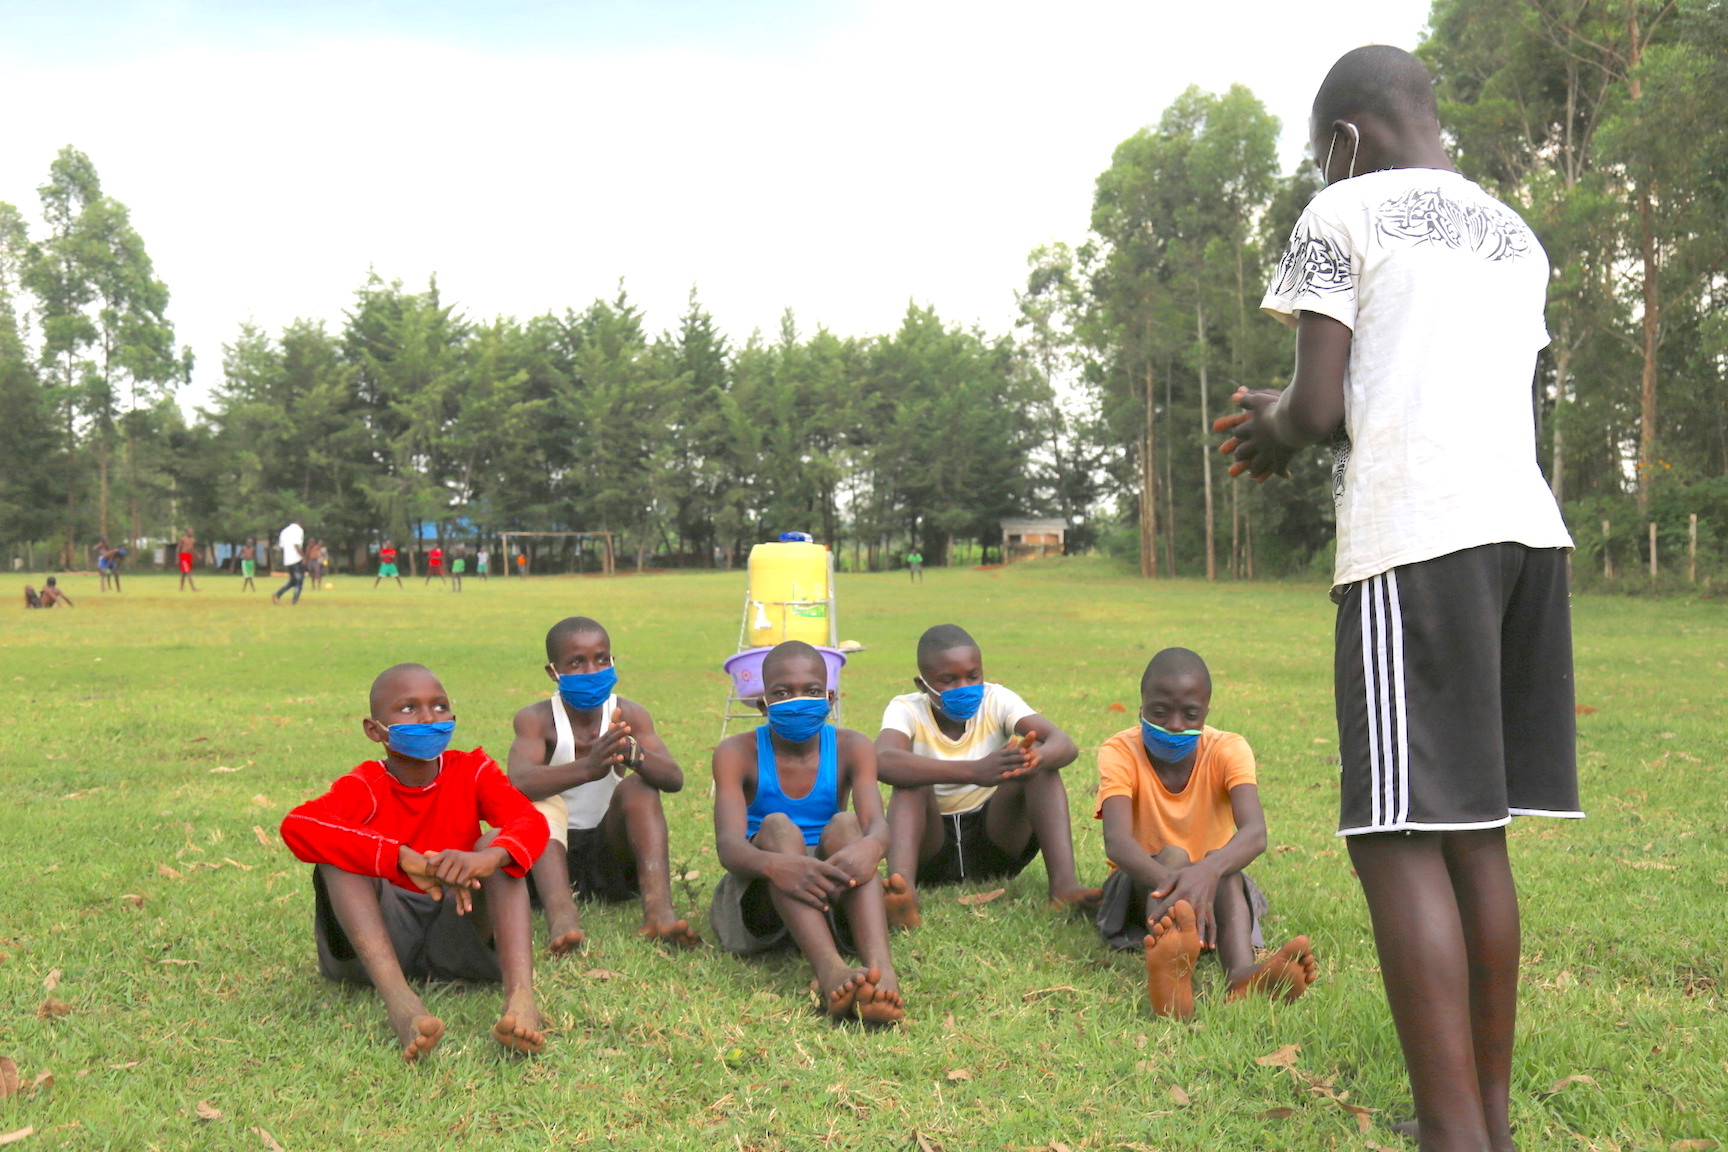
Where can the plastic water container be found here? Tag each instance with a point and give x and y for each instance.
(746, 669)
(788, 594)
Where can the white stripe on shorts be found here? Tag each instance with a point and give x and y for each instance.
(1383, 683)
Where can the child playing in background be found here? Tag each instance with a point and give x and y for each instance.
(387, 565)
(249, 564)
(1417, 301)
(797, 862)
(434, 565)
(977, 782)
(1182, 819)
(596, 769)
(404, 884)
(458, 565)
(184, 555)
(52, 595)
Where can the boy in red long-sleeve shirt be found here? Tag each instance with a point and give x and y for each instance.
(405, 885)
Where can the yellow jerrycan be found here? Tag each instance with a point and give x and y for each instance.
(788, 594)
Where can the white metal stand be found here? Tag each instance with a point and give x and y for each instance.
(738, 709)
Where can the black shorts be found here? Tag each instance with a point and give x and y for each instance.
(597, 872)
(1454, 693)
(968, 853)
(430, 939)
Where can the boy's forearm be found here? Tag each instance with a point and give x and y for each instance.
(739, 856)
(1137, 863)
(1057, 752)
(903, 769)
(541, 781)
(660, 772)
(1241, 850)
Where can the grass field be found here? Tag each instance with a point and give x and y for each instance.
(151, 743)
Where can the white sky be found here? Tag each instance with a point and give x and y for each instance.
(841, 159)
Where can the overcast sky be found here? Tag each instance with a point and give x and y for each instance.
(841, 158)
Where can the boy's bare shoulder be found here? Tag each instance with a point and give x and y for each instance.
(739, 744)
(633, 710)
(535, 715)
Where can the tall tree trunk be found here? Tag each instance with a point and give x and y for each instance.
(1205, 444)
(1169, 484)
(1652, 289)
(71, 473)
(102, 485)
(1149, 486)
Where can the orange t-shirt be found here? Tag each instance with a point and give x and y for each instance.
(1197, 819)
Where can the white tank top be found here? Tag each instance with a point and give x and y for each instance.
(587, 802)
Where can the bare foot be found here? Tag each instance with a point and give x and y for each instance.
(1412, 1130)
(1172, 946)
(900, 903)
(675, 932)
(1076, 899)
(1287, 972)
(879, 1002)
(839, 991)
(519, 1028)
(565, 942)
(418, 1034)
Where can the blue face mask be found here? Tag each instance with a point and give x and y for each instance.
(1170, 747)
(587, 690)
(962, 703)
(799, 718)
(421, 741)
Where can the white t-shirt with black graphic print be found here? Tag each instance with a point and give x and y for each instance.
(1442, 287)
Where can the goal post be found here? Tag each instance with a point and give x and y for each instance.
(608, 555)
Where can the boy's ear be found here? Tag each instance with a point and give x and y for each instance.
(551, 672)
(375, 732)
(833, 697)
(761, 704)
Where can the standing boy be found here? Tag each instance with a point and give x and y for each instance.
(387, 565)
(434, 565)
(482, 562)
(798, 864)
(458, 565)
(405, 886)
(977, 781)
(1417, 299)
(185, 553)
(595, 768)
(1182, 819)
(249, 564)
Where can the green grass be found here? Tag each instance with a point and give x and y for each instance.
(1024, 1032)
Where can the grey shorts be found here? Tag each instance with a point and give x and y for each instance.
(1453, 681)
(1122, 911)
(746, 922)
(431, 941)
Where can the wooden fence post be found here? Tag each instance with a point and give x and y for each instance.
(1652, 549)
(1607, 556)
(1692, 549)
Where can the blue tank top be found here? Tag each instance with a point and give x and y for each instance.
(810, 812)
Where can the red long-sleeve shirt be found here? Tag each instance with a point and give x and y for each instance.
(361, 824)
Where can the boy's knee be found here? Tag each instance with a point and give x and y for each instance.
(1172, 857)
(842, 830)
(778, 833)
(638, 798)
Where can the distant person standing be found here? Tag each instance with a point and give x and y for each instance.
(387, 565)
(108, 565)
(482, 563)
(185, 552)
(458, 565)
(249, 563)
(434, 565)
(915, 565)
(522, 565)
(292, 540)
(315, 563)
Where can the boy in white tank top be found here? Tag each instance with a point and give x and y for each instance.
(594, 766)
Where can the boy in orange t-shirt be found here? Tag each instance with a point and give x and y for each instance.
(1182, 819)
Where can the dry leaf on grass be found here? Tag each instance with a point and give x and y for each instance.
(1277, 1113)
(164, 870)
(43, 1080)
(1705, 1145)
(14, 1137)
(1285, 1057)
(175, 960)
(52, 1007)
(959, 1074)
(208, 1111)
(261, 800)
(1058, 1146)
(693, 874)
(1363, 1124)
(263, 837)
(1180, 1096)
(8, 1077)
(1118, 707)
(133, 899)
(1585, 710)
(51, 981)
(270, 1144)
(224, 768)
(982, 897)
(236, 863)
(123, 1067)
(1037, 993)
(1312, 1083)
(1566, 1081)
(1653, 864)
(925, 1144)
(601, 974)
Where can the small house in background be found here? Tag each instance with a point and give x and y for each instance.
(1031, 539)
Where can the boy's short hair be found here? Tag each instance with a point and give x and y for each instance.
(1174, 664)
(791, 650)
(1379, 79)
(51, 582)
(570, 626)
(943, 638)
(382, 682)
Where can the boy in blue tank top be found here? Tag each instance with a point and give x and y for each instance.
(798, 864)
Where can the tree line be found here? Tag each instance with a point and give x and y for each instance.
(1598, 119)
